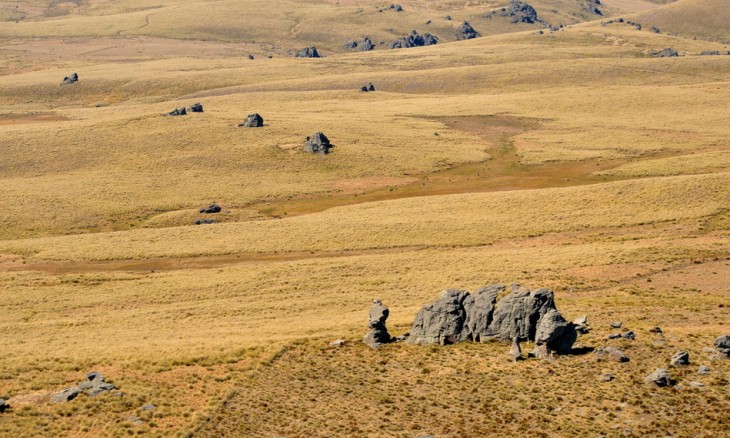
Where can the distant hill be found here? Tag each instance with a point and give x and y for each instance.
(704, 19)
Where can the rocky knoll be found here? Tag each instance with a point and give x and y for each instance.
(522, 314)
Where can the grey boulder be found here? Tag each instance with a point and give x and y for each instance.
(252, 121)
(318, 144)
(443, 321)
(660, 378)
(612, 354)
(378, 334)
(722, 344)
(681, 358)
(307, 52)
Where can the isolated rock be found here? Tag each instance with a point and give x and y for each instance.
(414, 40)
(67, 394)
(722, 344)
(318, 144)
(515, 353)
(660, 377)
(696, 384)
(378, 334)
(178, 112)
(250, 56)
(703, 369)
(606, 377)
(442, 322)
(337, 343)
(666, 53)
(679, 359)
(466, 32)
(371, 87)
(195, 108)
(3, 406)
(655, 29)
(307, 52)
(252, 121)
(212, 208)
(657, 330)
(71, 79)
(615, 336)
(611, 353)
(367, 88)
(205, 221)
(616, 324)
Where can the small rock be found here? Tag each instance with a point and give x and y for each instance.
(616, 324)
(195, 108)
(466, 32)
(606, 377)
(148, 407)
(660, 377)
(401, 338)
(655, 29)
(581, 325)
(629, 335)
(615, 336)
(205, 222)
(66, 395)
(447, 18)
(250, 56)
(318, 144)
(178, 112)
(696, 384)
(212, 208)
(135, 420)
(666, 53)
(337, 343)
(657, 330)
(71, 79)
(611, 353)
(94, 376)
(703, 369)
(371, 87)
(679, 359)
(3, 406)
(252, 121)
(307, 52)
(97, 389)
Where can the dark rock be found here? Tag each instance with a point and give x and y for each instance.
(205, 222)
(396, 8)
(616, 324)
(318, 144)
(515, 353)
(195, 108)
(250, 56)
(252, 121)
(481, 311)
(364, 45)
(520, 12)
(378, 334)
(447, 18)
(666, 53)
(629, 335)
(212, 208)
(722, 344)
(94, 376)
(414, 40)
(178, 112)
(71, 79)
(606, 377)
(681, 358)
(371, 87)
(307, 52)
(148, 407)
(364, 89)
(612, 354)
(428, 22)
(714, 53)
(591, 6)
(3, 406)
(660, 378)
(657, 330)
(655, 29)
(466, 32)
(443, 321)
(703, 369)
(553, 335)
(66, 395)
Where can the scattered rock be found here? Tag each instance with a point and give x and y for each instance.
(714, 53)
(722, 344)
(148, 407)
(655, 29)
(396, 8)
(3, 406)
(367, 88)
(337, 343)
(616, 324)
(195, 108)
(466, 32)
(447, 18)
(581, 325)
(378, 334)
(212, 208)
(205, 222)
(515, 353)
(703, 369)
(629, 335)
(660, 377)
(679, 359)
(364, 45)
(666, 53)
(606, 377)
(612, 354)
(307, 52)
(657, 330)
(71, 79)
(591, 6)
(414, 40)
(615, 336)
(67, 394)
(520, 12)
(178, 112)
(252, 121)
(318, 144)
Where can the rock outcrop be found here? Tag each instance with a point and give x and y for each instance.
(3, 406)
(252, 121)
(378, 334)
(722, 344)
(679, 359)
(518, 11)
(94, 385)
(466, 32)
(318, 144)
(212, 208)
(414, 40)
(74, 77)
(666, 53)
(307, 52)
(363, 45)
(522, 315)
(195, 108)
(515, 353)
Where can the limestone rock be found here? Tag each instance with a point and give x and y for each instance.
(148, 407)
(660, 378)
(480, 313)
(681, 358)
(443, 321)
(178, 112)
(553, 335)
(318, 144)
(703, 369)
(616, 324)
(606, 377)
(666, 53)
(363, 45)
(378, 334)
(253, 121)
(67, 394)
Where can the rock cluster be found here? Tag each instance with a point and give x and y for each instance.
(363, 45)
(523, 315)
(212, 208)
(722, 344)
(368, 87)
(378, 334)
(252, 121)
(414, 40)
(714, 53)
(318, 144)
(307, 52)
(94, 385)
(466, 32)
(71, 79)
(666, 53)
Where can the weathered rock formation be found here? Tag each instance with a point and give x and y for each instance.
(680, 358)
(307, 52)
(212, 208)
(660, 377)
(722, 344)
(318, 144)
(523, 315)
(94, 385)
(466, 32)
(414, 40)
(195, 108)
(378, 334)
(252, 121)
(71, 79)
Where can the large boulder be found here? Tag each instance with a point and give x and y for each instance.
(466, 32)
(612, 354)
(378, 334)
(317, 144)
(553, 335)
(443, 321)
(252, 121)
(195, 108)
(518, 313)
(722, 344)
(364, 45)
(307, 52)
(212, 208)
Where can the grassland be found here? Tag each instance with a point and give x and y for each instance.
(568, 159)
